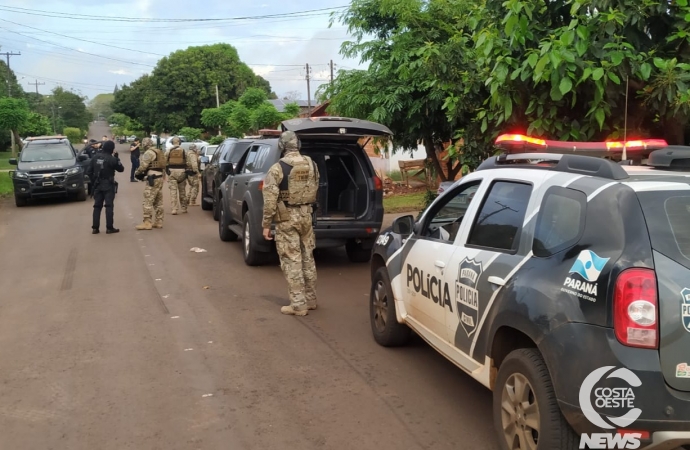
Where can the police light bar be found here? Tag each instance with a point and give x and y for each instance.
(518, 143)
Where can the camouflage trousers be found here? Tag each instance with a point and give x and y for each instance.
(153, 201)
(295, 244)
(177, 181)
(193, 182)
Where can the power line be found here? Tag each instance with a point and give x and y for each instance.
(71, 16)
(9, 72)
(36, 83)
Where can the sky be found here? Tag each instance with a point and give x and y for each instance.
(61, 46)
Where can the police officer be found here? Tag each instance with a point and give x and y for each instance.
(152, 169)
(176, 162)
(134, 154)
(192, 175)
(290, 190)
(101, 172)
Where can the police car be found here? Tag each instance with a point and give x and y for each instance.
(558, 276)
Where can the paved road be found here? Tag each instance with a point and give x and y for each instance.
(131, 341)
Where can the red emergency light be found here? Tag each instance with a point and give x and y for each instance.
(518, 143)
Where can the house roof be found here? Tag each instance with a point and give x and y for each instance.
(280, 104)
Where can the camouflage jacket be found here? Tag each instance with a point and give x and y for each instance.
(271, 189)
(192, 161)
(146, 159)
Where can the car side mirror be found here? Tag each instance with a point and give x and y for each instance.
(82, 158)
(403, 225)
(13, 161)
(204, 159)
(226, 168)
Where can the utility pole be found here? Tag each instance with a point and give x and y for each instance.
(9, 89)
(308, 91)
(331, 71)
(37, 84)
(218, 106)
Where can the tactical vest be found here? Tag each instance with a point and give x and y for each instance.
(177, 158)
(299, 185)
(158, 164)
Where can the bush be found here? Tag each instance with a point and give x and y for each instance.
(75, 135)
(190, 133)
(216, 140)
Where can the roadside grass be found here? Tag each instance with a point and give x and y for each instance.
(4, 160)
(395, 176)
(404, 203)
(5, 185)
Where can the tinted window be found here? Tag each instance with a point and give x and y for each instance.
(561, 221)
(46, 152)
(238, 151)
(261, 157)
(668, 218)
(251, 157)
(445, 218)
(217, 154)
(501, 216)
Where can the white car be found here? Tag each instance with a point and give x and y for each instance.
(168, 142)
(205, 154)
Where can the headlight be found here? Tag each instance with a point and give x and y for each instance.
(18, 174)
(73, 171)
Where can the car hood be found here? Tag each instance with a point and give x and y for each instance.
(340, 128)
(46, 165)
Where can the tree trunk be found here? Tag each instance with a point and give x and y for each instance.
(431, 153)
(17, 142)
(674, 130)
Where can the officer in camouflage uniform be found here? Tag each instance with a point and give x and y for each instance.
(176, 159)
(193, 175)
(152, 169)
(290, 190)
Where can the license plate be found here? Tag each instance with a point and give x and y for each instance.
(47, 183)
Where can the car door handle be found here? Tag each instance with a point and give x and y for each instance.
(246, 183)
(440, 264)
(235, 183)
(497, 281)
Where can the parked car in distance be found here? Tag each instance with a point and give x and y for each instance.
(350, 197)
(224, 160)
(205, 154)
(48, 166)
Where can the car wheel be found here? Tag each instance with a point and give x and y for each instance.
(525, 409)
(384, 323)
(224, 232)
(356, 253)
(252, 257)
(216, 207)
(20, 201)
(81, 195)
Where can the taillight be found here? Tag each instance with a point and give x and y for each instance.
(378, 184)
(261, 185)
(635, 309)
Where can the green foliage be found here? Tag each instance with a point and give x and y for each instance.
(75, 135)
(190, 133)
(70, 109)
(253, 98)
(183, 84)
(291, 111)
(265, 116)
(14, 113)
(217, 140)
(213, 117)
(429, 197)
(36, 125)
(101, 105)
(119, 119)
(241, 118)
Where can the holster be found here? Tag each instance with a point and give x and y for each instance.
(190, 173)
(282, 213)
(151, 179)
(115, 185)
(314, 207)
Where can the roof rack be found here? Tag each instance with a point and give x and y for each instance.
(45, 138)
(578, 164)
(673, 157)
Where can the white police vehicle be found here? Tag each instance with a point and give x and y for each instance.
(539, 273)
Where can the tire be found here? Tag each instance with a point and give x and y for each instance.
(252, 257)
(81, 195)
(215, 207)
(20, 201)
(384, 323)
(225, 234)
(527, 365)
(356, 253)
(205, 205)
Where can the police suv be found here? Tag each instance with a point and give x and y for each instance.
(562, 283)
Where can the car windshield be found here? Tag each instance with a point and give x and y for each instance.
(46, 152)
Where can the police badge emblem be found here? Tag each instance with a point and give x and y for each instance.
(467, 295)
(685, 308)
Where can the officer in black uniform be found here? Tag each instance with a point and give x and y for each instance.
(101, 171)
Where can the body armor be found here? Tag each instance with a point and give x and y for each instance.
(159, 163)
(299, 185)
(177, 158)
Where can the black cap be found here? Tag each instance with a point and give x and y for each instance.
(108, 146)
(92, 141)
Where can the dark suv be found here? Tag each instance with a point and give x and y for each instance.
(225, 158)
(48, 166)
(561, 282)
(350, 198)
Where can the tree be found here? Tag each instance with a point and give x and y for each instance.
(291, 110)
(5, 74)
(70, 108)
(101, 105)
(190, 133)
(184, 83)
(265, 116)
(35, 125)
(14, 113)
(73, 134)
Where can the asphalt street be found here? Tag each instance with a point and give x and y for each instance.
(132, 341)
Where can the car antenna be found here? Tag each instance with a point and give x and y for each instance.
(625, 126)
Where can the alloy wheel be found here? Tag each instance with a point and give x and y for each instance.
(519, 413)
(380, 301)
